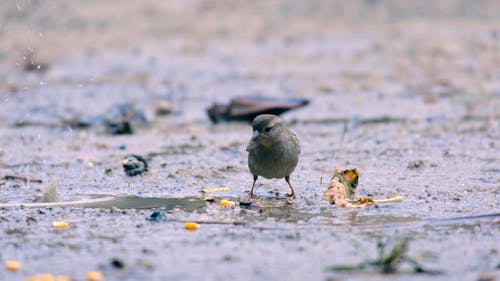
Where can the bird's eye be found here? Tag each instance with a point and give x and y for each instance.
(267, 129)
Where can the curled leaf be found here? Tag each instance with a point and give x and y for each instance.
(342, 187)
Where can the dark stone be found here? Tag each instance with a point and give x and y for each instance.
(157, 216)
(134, 165)
(117, 263)
(415, 164)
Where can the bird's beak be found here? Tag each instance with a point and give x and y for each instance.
(255, 135)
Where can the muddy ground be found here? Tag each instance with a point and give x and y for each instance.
(390, 83)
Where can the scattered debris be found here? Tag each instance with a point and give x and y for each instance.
(49, 194)
(227, 204)
(117, 120)
(48, 277)
(191, 226)
(30, 220)
(247, 108)
(415, 164)
(388, 263)
(216, 189)
(164, 107)
(117, 263)
(245, 201)
(32, 64)
(108, 172)
(60, 224)
(144, 264)
(94, 276)
(13, 265)
(343, 187)
(118, 127)
(398, 198)
(210, 199)
(157, 216)
(486, 277)
(134, 165)
(21, 178)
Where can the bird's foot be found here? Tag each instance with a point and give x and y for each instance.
(290, 195)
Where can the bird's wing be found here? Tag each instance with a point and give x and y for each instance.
(296, 140)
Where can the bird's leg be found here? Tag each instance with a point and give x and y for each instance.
(292, 194)
(253, 185)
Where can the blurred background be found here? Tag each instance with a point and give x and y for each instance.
(433, 48)
(55, 28)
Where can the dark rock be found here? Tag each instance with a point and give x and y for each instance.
(415, 164)
(108, 172)
(117, 120)
(117, 263)
(134, 165)
(118, 127)
(157, 216)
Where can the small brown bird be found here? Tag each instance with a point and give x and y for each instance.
(273, 150)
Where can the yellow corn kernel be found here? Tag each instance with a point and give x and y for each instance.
(227, 204)
(216, 189)
(41, 277)
(46, 277)
(13, 265)
(63, 278)
(60, 224)
(191, 226)
(94, 276)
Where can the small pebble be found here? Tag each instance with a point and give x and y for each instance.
(415, 164)
(209, 198)
(117, 263)
(245, 201)
(134, 165)
(157, 216)
(164, 107)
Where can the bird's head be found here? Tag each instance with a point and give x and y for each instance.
(267, 129)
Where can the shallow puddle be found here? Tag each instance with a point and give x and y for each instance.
(262, 209)
(187, 204)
